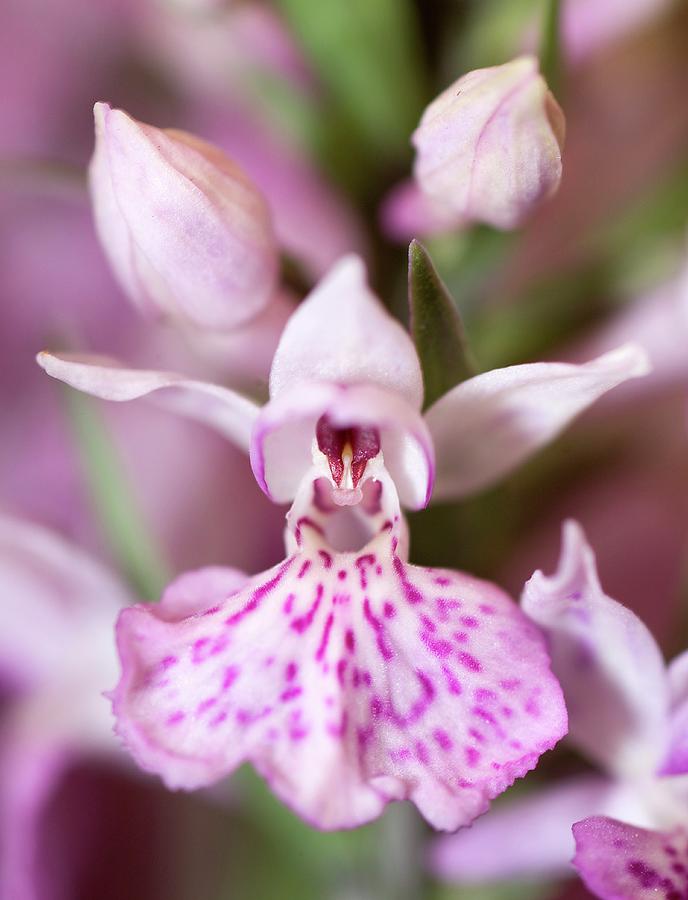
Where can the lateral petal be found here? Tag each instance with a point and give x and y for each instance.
(227, 411)
(487, 426)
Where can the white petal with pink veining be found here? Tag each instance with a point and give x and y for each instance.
(490, 424)
(223, 409)
(349, 680)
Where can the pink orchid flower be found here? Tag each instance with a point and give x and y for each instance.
(347, 676)
(57, 656)
(628, 713)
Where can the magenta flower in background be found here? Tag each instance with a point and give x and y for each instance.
(396, 681)
(488, 149)
(627, 713)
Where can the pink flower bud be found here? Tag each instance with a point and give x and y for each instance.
(489, 147)
(186, 232)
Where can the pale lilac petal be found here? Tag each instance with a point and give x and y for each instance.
(490, 424)
(224, 410)
(194, 592)
(348, 680)
(676, 762)
(281, 448)
(608, 663)
(341, 332)
(523, 837)
(618, 861)
(29, 772)
(44, 579)
(407, 212)
(185, 231)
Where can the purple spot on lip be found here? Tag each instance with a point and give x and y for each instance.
(350, 640)
(230, 676)
(205, 705)
(326, 558)
(175, 718)
(510, 684)
(411, 592)
(422, 753)
(290, 671)
(304, 622)
(304, 568)
(442, 581)
(453, 683)
(218, 719)
(325, 637)
(472, 756)
(341, 574)
(442, 739)
(469, 661)
(389, 610)
(291, 693)
(260, 593)
(167, 662)
(378, 628)
(289, 604)
(469, 621)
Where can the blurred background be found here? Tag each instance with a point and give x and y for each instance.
(316, 100)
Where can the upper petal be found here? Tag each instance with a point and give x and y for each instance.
(281, 446)
(490, 424)
(619, 861)
(186, 232)
(225, 410)
(349, 680)
(341, 332)
(608, 663)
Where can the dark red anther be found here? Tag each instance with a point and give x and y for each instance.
(364, 444)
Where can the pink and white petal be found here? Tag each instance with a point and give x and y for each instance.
(228, 412)
(29, 772)
(608, 663)
(618, 861)
(194, 592)
(45, 579)
(348, 680)
(342, 333)
(490, 424)
(529, 836)
(281, 447)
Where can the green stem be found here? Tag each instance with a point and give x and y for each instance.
(121, 521)
(550, 46)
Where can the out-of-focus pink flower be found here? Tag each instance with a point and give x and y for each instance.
(57, 656)
(658, 321)
(186, 232)
(627, 712)
(488, 149)
(588, 25)
(455, 697)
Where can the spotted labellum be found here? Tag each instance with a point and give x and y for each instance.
(346, 675)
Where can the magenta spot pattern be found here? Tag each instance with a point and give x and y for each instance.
(616, 860)
(369, 697)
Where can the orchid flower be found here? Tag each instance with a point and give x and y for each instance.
(628, 713)
(347, 676)
(57, 656)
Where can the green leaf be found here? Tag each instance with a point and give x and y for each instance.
(121, 520)
(366, 53)
(550, 45)
(436, 328)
